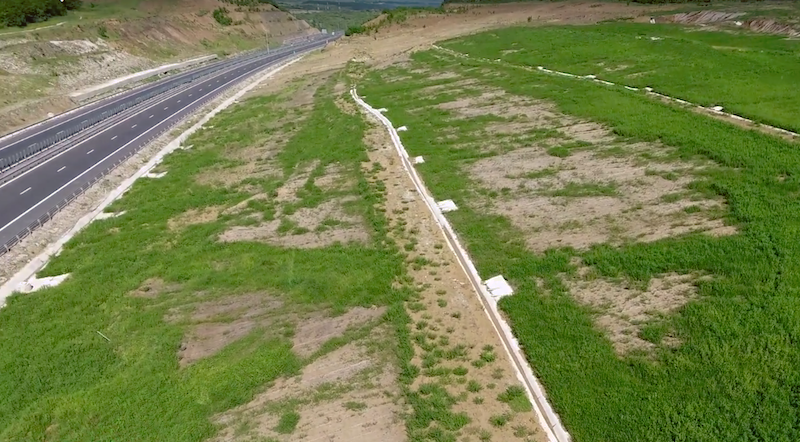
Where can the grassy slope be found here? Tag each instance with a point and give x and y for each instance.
(63, 381)
(336, 20)
(708, 68)
(736, 375)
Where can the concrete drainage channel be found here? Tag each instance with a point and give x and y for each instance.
(488, 291)
(19, 281)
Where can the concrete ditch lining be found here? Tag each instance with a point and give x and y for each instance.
(550, 421)
(12, 285)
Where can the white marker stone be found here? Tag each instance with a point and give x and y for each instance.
(419, 160)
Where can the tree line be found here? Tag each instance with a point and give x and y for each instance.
(21, 12)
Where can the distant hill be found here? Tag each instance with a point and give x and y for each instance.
(356, 5)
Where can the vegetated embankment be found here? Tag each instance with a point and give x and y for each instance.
(639, 237)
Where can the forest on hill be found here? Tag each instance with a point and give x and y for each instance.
(22, 12)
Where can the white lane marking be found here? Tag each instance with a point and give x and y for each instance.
(190, 95)
(150, 117)
(201, 90)
(179, 101)
(114, 138)
(134, 126)
(62, 168)
(24, 191)
(166, 108)
(87, 153)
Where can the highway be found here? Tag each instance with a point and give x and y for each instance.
(62, 125)
(31, 197)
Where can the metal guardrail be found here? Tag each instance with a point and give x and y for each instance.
(39, 222)
(37, 147)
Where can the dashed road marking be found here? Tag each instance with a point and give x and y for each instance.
(23, 192)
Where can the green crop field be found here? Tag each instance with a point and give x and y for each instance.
(725, 365)
(750, 75)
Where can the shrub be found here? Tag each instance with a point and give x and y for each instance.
(355, 30)
(222, 17)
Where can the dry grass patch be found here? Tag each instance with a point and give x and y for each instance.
(154, 287)
(194, 216)
(623, 309)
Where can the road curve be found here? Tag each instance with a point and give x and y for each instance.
(31, 198)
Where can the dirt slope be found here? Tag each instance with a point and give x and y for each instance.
(38, 68)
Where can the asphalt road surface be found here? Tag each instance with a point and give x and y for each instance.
(28, 198)
(17, 142)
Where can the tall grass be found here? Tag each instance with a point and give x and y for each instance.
(736, 375)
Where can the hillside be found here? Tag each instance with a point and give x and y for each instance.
(105, 39)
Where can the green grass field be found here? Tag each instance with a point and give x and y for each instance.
(61, 380)
(750, 75)
(736, 375)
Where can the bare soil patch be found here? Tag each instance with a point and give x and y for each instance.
(346, 395)
(315, 331)
(578, 185)
(334, 179)
(241, 306)
(214, 324)
(320, 226)
(623, 309)
(206, 339)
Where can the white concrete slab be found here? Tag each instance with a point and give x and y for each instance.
(447, 206)
(419, 160)
(498, 287)
(33, 284)
(107, 215)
